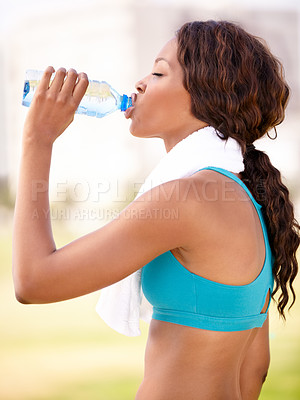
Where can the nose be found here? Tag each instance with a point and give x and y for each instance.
(141, 86)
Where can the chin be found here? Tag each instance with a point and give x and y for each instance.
(144, 135)
(136, 130)
(137, 133)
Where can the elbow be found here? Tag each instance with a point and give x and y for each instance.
(21, 299)
(32, 280)
(30, 295)
(23, 293)
(33, 284)
(24, 288)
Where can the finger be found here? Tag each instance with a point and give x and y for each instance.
(70, 82)
(80, 87)
(58, 80)
(45, 81)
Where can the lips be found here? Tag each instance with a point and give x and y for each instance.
(129, 110)
(133, 98)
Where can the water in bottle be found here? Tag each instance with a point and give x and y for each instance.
(99, 100)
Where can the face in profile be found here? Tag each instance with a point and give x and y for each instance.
(162, 106)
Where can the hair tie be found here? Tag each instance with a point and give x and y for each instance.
(250, 147)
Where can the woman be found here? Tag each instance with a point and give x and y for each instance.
(211, 73)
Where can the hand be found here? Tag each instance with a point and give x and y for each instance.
(54, 105)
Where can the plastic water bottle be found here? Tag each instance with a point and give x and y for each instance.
(99, 100)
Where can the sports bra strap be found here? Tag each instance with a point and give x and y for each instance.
(236, 179)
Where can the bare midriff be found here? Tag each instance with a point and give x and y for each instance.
(184, 363)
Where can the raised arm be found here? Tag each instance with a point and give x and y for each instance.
(43, 273)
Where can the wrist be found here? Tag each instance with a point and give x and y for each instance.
(41, 140)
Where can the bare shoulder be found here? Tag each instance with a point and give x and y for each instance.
(214, 197)
(195, 209)
(212, 186)
(198, 200)
(177, 202)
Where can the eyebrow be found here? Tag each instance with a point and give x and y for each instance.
(161, 59)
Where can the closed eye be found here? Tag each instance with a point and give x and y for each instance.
(157, 74)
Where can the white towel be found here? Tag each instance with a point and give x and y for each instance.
(122, 304)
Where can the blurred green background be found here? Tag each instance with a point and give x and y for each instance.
(64, 351)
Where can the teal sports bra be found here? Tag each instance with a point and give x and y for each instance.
(182, 297)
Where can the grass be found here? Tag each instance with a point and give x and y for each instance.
(64, 351)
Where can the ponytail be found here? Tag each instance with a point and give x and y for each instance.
(238, 87)
(264, 181)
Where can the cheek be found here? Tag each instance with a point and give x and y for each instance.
(149, 114)
(175, 107)
(160, 111)
(168, 104)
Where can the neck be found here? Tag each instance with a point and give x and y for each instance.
(171, 141)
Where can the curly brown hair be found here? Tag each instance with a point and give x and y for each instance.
(237, 86)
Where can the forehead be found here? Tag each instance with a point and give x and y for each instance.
(168, 53)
